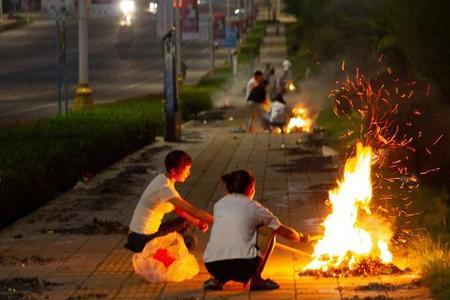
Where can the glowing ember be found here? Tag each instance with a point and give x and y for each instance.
(291, 86)
(347, 239)
(300, 120)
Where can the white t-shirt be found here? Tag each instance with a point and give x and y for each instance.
(233, 234)
(278, 112)
(153, 205)
(250, 85)
(286, 65)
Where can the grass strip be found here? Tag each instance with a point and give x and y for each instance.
(38, 161)
(17, 23)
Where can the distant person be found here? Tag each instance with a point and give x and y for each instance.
(253, 82)
(236, 250)
(278, 114)
(267, 70)
(183, 70)
(159, 198)
(286, 77)
(257, 99)
(272, 87)
(286, 64)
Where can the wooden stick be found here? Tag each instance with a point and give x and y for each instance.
(314, 238)
(291, 249)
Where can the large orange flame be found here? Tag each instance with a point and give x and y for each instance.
(300, 120)
(346, 240)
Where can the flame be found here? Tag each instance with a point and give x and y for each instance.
(291, 86)
(345, 242)
(300, 120)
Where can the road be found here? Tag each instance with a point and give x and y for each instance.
(123, 62)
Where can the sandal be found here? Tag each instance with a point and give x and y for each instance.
(213, 284)
(264, 285)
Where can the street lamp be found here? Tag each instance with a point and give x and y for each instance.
(1, 11)
(128, 8)
(83, 93)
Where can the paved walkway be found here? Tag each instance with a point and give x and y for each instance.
(74, 244)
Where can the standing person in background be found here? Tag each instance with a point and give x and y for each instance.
(286, 64)
(236, 250)
(286, 77)
(267, 70)
(272, 79)
(183, 70)
(159, 198)
(253, 82)
(257, 100)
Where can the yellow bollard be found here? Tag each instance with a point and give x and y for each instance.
(83, 98)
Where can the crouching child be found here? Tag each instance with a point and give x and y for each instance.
(159, 198)
(233, 253)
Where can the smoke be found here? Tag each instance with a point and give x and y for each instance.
(377, 226)
(314, 90)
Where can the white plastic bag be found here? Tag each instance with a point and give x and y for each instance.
(165, 258)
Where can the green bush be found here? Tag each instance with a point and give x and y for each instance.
(249, 48)
(41, 160)
(216, 79)
(16, 24)
(194, 99)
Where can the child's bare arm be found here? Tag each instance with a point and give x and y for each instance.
(192, 210)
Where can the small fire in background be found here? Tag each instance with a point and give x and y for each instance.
(349, 243)
(300, 120)
(291, 86)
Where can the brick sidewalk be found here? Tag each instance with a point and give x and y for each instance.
(54, 244)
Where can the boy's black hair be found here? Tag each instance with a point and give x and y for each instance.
(176, 159)
(258, 73)
(238, 181)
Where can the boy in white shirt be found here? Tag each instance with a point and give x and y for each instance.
(253, 82)
(232, 252)
(159, 198)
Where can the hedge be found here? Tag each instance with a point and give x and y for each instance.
(43, 159)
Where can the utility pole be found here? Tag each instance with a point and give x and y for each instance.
(177, 26)
(211, 35)
(228, 25)
(239, 10)
(245, 6)
(83, 93)
(278, 9)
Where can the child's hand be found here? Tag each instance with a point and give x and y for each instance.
(295, 236)
(202, 226)
(304, 238)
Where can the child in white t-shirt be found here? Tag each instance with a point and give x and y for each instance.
(159, 198)
(232, 252)
(279, 112)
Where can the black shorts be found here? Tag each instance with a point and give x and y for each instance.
(137, 241)
(240, 270)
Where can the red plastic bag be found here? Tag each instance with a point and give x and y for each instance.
(165, 258)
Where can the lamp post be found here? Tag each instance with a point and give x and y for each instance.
(83, 93)
(173, 116)
(228, 25)
(211, 35)
(177, 26)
